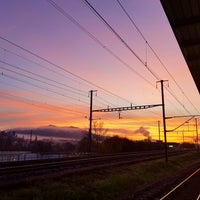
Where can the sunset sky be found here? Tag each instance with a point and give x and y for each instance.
(52, 53)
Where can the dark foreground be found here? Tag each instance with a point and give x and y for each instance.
(146, 180)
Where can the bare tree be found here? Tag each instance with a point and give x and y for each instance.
(99, 131)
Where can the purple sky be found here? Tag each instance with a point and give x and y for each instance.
(37, 26)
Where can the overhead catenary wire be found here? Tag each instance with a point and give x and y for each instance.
(63, 69)
(74, 90)
(178, 101)
(18, 45)
(38, 104)
(24, 70)
(120, 38)
(35, 79)
(125, 43)
(41, 94)
(49, 69)
(41, 81)
(45, 78)
(108, 102)
(147, 43)
(40, 65)
(69, 17)
(156, 55)
(96, 40)
(54, 64)
(35, 85)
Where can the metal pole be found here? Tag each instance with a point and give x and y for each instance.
(159, 130)
(90, 126)
(164, 120)
(196, 123)
(183, 136)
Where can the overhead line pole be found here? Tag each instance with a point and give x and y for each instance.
(197, 133)
(116, 109)
(90, 119)
(158, 130)
(164, 118)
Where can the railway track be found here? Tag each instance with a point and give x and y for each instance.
(186, 189)
(15, 172)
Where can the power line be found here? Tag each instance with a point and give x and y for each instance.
(120, 38)
(38, 64)
(75, 22)
(32, 84)
(122, 7)
(106, 102)
(134, 24)
(154, 52)
(61, 68)
(43, 77)
(69, 17)
(38, 104)
(38, 93)
(49, 84)
(35, 85)
(178, 100)
(125, 43)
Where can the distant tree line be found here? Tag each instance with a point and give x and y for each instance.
(117, 144)
(9, 141)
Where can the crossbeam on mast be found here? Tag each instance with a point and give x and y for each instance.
(119, 109)
(182, 116)
(181, 124)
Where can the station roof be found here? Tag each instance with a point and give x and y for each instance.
(184, 18)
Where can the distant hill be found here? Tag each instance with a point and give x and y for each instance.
(70, 134)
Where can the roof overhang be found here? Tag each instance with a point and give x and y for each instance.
(184, 18)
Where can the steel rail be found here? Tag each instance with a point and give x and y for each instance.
(80, 162)
(180, 184)
(76, 162)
